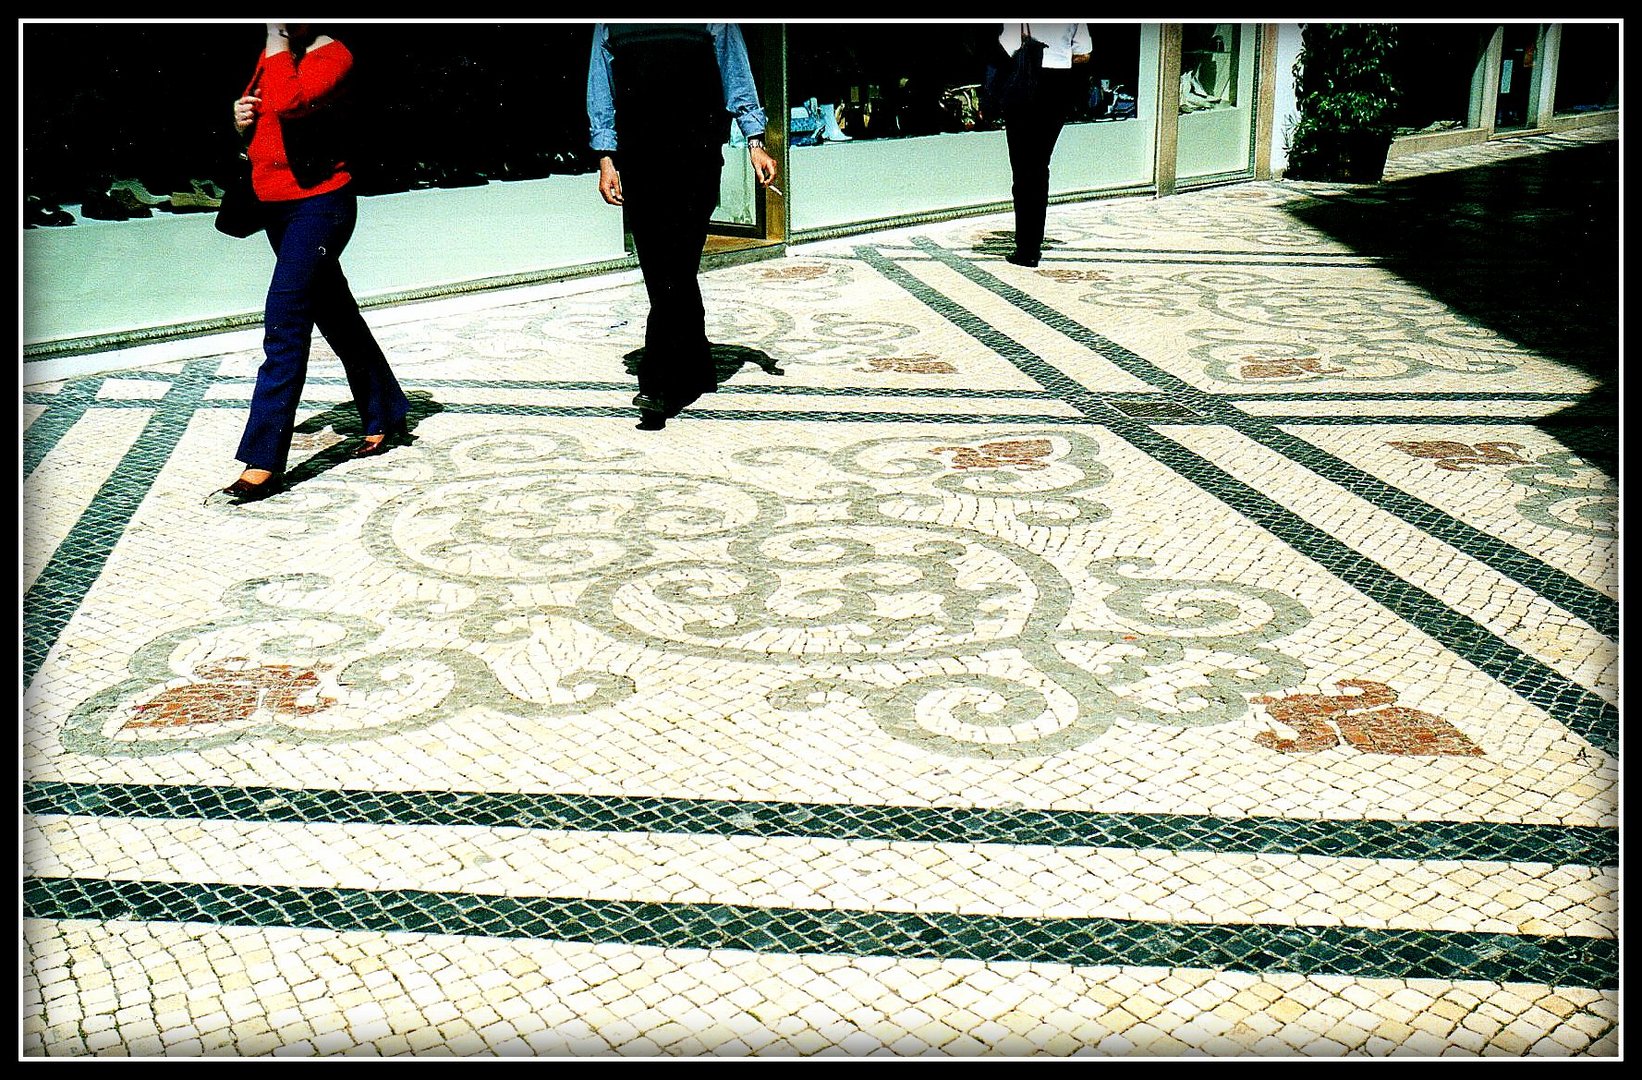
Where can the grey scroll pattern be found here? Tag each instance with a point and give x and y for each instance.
(903, 582)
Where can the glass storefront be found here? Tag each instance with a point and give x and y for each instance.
(1588, 68)
(884, 123)
(1217, 100)
(872, 122)
(1435, 70)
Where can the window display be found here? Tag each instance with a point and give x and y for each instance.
(1209, 66)
(1587, 74)
(1434, 68)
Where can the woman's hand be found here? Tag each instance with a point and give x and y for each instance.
(245, 112)
(609, 182)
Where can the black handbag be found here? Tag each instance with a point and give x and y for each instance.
(315, 141)
(241, 213)
(1012, 81)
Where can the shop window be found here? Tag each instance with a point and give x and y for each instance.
(1433, 69)
(1209, 66)
(1106, 86)
(1587, 70)
(885, 80)
(450, 105)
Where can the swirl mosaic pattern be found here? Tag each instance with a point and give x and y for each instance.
(1203, 643)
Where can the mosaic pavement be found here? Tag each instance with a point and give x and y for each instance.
(1204, 643)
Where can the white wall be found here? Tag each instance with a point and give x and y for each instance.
(1284, 109)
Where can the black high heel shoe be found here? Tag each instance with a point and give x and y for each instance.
(398, 435)
(247, 491)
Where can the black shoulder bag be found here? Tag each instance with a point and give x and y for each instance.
(241, 213)
(1012, 81)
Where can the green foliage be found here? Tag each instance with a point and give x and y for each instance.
(1345, 94)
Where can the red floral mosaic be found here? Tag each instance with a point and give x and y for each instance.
(801, 272)
(920, 364)
(1021, 453)
(230, 690)
(1367, 720)
(1462, 457)
(1289, 368)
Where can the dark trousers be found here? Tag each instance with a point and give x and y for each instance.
(308, 290)
(670, 198)
(1032, 128)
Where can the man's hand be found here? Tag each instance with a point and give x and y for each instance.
(609, 182)
(763, 165)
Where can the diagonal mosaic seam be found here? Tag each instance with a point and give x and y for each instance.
(1358, 952)
(1582, 845)
(1581, 710)
(1600, 611)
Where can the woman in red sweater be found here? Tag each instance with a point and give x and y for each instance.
(310, 211)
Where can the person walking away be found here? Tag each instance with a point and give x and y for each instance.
(1033, 119)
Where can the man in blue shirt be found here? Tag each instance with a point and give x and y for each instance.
(669, 89)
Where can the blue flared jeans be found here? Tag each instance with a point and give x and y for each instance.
(309, 290)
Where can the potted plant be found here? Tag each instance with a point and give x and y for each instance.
(1344, 90)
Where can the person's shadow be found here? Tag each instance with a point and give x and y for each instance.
(344, 420)
(727, 360)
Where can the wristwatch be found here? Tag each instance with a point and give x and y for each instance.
(756, 142)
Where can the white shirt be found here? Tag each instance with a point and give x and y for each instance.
(1062, 41)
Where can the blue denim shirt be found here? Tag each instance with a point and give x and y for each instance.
(736, 71)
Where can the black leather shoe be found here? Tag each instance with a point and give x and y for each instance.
(653, 412)
(1021, 259)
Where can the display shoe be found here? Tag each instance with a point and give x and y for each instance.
(101, 206)
(829, 125)
(201, 195)
(132, 194)
(37, 212)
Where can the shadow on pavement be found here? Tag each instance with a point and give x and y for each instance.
(1527, 247)
(344, 420)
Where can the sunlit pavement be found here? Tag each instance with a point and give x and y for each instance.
(1203, 643)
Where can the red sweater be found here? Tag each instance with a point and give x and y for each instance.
(287, 87)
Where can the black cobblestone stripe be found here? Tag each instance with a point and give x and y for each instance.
(1256, 948)
(63, 410)
(1581, 711)
(1567, 592)
(1578, 845)
(79, 559)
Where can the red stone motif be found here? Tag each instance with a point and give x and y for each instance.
(801, 272)
(921, 364)
(1293, 367)
(1022, 453)
(1061, 273)
(1463, 457)
(233, 689)
(1366, 721)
